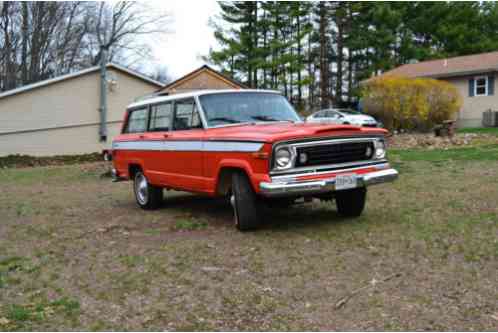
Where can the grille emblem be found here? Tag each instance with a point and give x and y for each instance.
(303, 158)
(368, 152)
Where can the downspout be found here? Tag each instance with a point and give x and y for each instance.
(103, 94)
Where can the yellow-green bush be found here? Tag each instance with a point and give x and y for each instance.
(404, 103)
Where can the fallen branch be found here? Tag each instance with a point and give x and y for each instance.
(371, 284)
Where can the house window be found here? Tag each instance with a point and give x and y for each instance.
(481, 86)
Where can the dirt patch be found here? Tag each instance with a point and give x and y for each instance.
(430, 141)
(23, 161)
(76, 253)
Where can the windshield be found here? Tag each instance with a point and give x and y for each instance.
(243, 107)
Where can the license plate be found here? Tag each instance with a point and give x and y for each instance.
(344, 182)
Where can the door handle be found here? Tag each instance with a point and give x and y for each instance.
(165, 135)
(141, 136)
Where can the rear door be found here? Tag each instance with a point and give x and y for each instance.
(160, 126)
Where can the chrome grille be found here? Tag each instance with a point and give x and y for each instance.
(334, 153)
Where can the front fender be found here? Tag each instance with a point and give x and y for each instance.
(254, 177)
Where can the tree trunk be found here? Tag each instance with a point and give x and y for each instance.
(299, 51)
(324, 67)
(25, 37)
(340, 50)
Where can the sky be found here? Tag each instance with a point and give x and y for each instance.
(190, 35)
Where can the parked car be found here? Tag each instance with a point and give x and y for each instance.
(343, 116)
(249, 146)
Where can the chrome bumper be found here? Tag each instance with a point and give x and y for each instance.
(294, 187)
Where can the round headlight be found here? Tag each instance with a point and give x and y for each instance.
(380, 149)
(283, 158)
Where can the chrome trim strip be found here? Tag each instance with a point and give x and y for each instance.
(356, 135)
(191, 145)
(332, 142)
(380, 166)
(310, 187)
(232, 146)
(326, 168)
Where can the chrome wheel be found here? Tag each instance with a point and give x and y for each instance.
(141, 189)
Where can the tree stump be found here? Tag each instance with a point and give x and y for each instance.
(447, 128)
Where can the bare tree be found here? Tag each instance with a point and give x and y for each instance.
(39, 40)
(123, 28)
(161, 74)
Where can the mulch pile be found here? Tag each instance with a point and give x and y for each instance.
(430, 141)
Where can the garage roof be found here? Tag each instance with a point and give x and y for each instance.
(76, 74)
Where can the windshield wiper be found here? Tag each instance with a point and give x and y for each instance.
(268, 118)
(225, 119)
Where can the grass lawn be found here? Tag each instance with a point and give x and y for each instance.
(479, 130)
(77, 254)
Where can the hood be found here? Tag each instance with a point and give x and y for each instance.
(272, 132)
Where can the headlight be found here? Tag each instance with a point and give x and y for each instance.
(380, 149)
(283, 158)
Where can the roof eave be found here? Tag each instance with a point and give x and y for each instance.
(64, 77)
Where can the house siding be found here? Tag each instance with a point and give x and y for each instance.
(470, 115)
(63, 117)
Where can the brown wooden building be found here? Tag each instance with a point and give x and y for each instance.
(202, 78)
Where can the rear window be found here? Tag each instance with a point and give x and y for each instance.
(137, 121)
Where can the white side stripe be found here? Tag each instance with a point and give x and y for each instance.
(228, 146)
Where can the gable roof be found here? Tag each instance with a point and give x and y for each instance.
(456, 66)
(205, 68)
(77, 74)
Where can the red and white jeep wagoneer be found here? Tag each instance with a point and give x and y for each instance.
(249, 146)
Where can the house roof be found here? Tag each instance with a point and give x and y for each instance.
(198, 71)
(448, 67)
(77, 74)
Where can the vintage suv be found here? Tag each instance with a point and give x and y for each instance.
(249, 146)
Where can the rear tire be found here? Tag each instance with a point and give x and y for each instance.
(244, 202)
(350, 203)
(147, 196)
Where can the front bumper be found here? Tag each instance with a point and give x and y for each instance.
(310, 187)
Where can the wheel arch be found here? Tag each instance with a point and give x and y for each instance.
(133, 168)
(225, 172)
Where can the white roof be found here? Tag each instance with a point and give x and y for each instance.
(76, 74)
(196, 93)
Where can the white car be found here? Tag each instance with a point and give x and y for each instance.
(342, 116)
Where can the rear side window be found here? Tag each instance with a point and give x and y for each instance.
(161, 117)
(137, 121)
(187, 115)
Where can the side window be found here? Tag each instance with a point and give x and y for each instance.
(137, 121)
(186, 115)
(161, 117)
(319, 114)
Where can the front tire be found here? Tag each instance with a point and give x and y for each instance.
(244, 203)
(350, 203)
(147, 195)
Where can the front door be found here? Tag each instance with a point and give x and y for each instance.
(185, 163)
